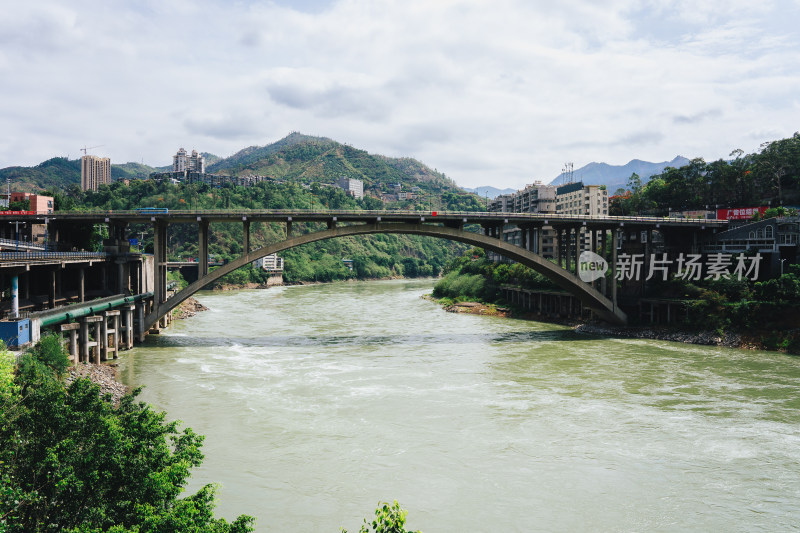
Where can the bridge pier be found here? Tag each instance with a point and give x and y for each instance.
(202, 249)
(246, 233)
(85, 344)
(160, 260)
(72, 329)
(127, 326)
(113, 345)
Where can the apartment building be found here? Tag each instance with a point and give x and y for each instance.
(570, 199)
(194, 162)
(579, 199)
(534, 198)
(95, 171)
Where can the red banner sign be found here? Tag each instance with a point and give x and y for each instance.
(17, 213)
(740, 213)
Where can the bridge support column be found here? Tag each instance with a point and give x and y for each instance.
(160, 260)
(113, 331)
(289, 228)
(202, 249)
(86, 323)
(51, 289)
(568, 249)
(613, 280)
(578, 246)
(604, 254)
(540, 240)
(140, 321)
(72, 329)
(246, 231)
(121, 278)
(128, 326)
(81, 284)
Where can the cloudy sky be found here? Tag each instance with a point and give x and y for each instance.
(491, 93)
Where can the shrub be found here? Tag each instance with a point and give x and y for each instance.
(388, 519)
(51, 353)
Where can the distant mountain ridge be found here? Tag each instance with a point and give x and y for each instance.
(612, 176)
(616, 176)
(489, 192)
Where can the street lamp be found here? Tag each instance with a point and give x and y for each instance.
(782, 260)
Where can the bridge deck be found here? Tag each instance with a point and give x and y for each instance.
(307, 215)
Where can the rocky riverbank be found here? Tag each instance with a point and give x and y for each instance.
(189, 308)
(706, 338)
(105, 376)
(475, 308)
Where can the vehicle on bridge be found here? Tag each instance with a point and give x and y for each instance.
(152, 211)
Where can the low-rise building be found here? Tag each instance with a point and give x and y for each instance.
(270, 263)
(777, 239)
(351, 186)
(41, 205)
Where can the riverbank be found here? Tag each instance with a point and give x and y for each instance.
(189, 308)
(104, 376)
(704, 338)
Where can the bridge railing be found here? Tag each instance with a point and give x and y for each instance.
(556, 217)
(21, 243)
(32, 256)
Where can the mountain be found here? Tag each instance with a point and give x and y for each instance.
(616, 176)
(488, 191)
(308, 159)
(296, 157)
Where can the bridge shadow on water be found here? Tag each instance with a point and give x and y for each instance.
(292, 341)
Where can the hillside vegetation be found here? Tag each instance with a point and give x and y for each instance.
(768, 177)
(307, 159)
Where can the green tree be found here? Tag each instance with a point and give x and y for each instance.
(388, 519)
(72, 462)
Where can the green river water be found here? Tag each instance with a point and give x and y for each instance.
(319, 401)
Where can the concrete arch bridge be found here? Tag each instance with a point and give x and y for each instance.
(522, 237)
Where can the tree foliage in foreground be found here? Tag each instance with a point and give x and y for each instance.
(389, 518)
(70, 461)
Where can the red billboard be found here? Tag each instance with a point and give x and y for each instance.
(741, 213)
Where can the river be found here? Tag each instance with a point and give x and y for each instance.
(319, 401)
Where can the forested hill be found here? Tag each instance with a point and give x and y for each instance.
(60, 172)
(299, 158)
(306, 159)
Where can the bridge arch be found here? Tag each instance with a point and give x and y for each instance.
(587, 295)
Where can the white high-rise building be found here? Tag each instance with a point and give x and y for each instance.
(182, 162)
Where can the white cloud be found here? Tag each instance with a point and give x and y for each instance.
(499, 93)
